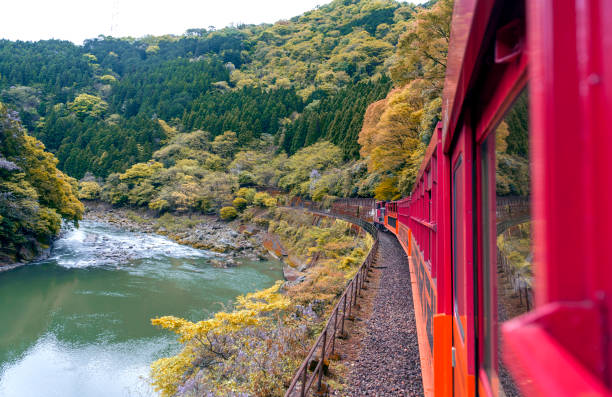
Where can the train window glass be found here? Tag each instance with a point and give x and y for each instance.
(458, 246)
(487, 167)
(506, 247)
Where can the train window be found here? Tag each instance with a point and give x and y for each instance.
(505, 229)
(487, 166)
(458, 246)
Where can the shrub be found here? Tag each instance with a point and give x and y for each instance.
(260, 198)
(159, 205)
(246, 193)
(89, 190)
(228, 213)
(270, 202)
(239, 203)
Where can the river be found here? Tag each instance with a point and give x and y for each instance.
(78, 324)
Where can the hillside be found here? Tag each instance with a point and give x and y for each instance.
(279, 88)
(34, 195)
(96, 106)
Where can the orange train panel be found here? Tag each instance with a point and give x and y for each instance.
(424, 350)
(443, 375)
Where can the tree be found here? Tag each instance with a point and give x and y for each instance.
(397, 129)
(88, 105)
(207, 343)
(34, 195)
(89, 190)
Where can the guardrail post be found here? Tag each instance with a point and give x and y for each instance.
(322, 359)
(351, 301)
(343, 316)
(334, 334)
(303, 392)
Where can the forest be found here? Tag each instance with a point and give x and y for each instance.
(338, 102)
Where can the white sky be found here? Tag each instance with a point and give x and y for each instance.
(76, 20)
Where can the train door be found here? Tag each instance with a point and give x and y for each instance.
(462, 267)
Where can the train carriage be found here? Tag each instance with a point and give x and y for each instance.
(448, 224)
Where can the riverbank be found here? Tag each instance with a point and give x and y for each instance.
(194, 230)
(44, 254)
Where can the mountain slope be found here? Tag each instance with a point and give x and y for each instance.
(250, 79)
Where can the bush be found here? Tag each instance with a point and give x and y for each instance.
(228, 213)
(246, 193)
(260, 198)
(89, 190)
(270, 202)
(159, 205)
(239, 203)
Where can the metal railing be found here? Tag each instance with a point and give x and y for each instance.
(520, 283)
(314, 366)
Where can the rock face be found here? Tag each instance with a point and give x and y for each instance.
(203, 233)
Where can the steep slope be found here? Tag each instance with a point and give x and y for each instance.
(34, 195)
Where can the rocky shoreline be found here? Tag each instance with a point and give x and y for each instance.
(42, 254)
(197, 231)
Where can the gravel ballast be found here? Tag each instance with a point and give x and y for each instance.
(388, 363)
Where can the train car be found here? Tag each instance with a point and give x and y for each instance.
(560, 51)
(379, 218)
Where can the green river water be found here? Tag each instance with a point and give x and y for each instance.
(78, 324)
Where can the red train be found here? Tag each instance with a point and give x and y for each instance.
(563, 347)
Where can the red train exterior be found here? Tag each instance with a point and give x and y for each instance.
(563, 347)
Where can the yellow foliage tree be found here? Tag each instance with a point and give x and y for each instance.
(397, 129)
(208, 341)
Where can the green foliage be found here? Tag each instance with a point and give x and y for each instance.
(335, 118)
(34, 194)
(307, 165)
(88, 105)
(225, 145)
(324, 49)
(516, 244)
(252, 80)
(512, 170)
(186, 179)
(228, 213)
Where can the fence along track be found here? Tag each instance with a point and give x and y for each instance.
(324, 347)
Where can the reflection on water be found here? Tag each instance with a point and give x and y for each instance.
(79, 323)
